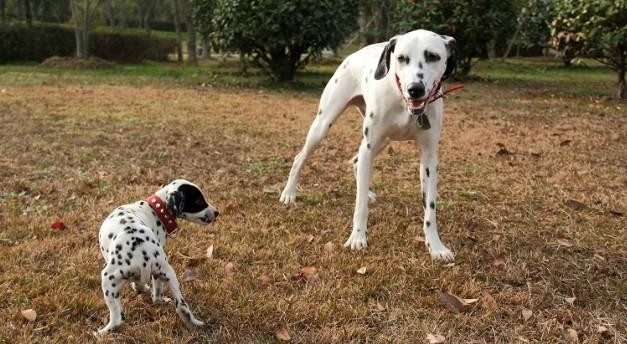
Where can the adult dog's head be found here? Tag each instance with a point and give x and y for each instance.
(418, 60)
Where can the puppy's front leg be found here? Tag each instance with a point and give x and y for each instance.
(429, 183)
(365, 159)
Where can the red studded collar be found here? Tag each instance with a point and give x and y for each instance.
(159, 206)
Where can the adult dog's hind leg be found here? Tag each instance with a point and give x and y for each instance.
(334, 100)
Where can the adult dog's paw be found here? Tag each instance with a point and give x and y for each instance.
(288, 196)
(441, 253)
(357, 240)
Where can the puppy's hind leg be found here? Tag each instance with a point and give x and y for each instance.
(335, 98)
(168, 275)
(112, 283)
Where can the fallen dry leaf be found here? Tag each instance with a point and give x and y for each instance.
(602, 329)
(229, 269)
(310, 238)
(29, 314)
(435, 338)
(572, 335)
(419, 239)
(380, 307)
(230, 208)
(454, 302)
(526, 314)
(362, 270)
(265, 280)
(487, 300)
(57, 225)
(188, 275)
(575, 205)
(210, 252)
(564, 242)
(565, 143)
(308, 273)
(329, 247)
(282, 334)
(500, 260)
(273, 189)
(570, 300)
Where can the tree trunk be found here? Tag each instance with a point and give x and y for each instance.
(148, 15)
(206, 49)
(177, 27)
(111, 14)
(29, 14)
(3, 11)
(363, 25)
(491, 49)
(191, 37)
(621, 92)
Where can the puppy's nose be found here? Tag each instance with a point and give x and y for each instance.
(215, 214)
(416, 90)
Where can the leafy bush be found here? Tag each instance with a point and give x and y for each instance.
(21, 43)
(279, 32)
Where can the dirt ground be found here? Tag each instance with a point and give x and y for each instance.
(532, 200)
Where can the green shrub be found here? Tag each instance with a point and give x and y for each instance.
(21, 43)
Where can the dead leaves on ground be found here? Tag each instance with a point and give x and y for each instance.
(435, 338)
(29, 314)
(454, 302)
(306, 274)
(282, 334)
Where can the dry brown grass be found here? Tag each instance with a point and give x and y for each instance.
(73, 152)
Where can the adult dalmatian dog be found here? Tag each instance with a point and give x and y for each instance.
(132, 242)
(396, 86)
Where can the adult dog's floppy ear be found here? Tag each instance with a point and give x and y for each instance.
(451, 61)
(175, 203)
(384, 61)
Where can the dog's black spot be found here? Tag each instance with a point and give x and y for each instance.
(319, 112)
(428, 223)
(141, 203)
(424, 201)
(372, 115)
(420, 64)
(336, 80)
(122, 316)
(105, 273)
(420, 75)
(123, 222)
(366, 80)
(141, 231)
(432, 205)
(127, 243)
(128, 262)
(120, 214)
(111, 277)
(366, 131)
(355, 161)
(146, 258)
(112, 261)
(147, 238)
(330, 124)
(110, 235)
(156, 254)
(106, 293)
(120, 262)
(144, 264)
(368, 145)
(431, 56)
(118, 247)
(428, 172)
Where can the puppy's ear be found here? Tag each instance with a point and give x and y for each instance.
(175, 203)
(451, 61)
(384, 61)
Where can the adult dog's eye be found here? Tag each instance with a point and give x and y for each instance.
(403, 59)
(431, 57)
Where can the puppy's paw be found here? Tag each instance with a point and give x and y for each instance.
(288, 196)
(357, 240)
(162, 300)
(140, 288)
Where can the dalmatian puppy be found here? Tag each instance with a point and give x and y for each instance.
(396, 86)
(132, 242)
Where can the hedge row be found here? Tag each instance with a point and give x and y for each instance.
(21, 43)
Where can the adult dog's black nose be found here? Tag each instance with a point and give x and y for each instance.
(416, 90)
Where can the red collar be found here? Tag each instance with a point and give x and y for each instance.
(159, 206)
(436, 93)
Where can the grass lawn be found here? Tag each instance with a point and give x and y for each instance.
(533, 173)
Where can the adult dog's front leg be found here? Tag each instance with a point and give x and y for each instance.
(429, 183)
(365, 160)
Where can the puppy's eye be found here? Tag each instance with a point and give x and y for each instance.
(403, 59)
(431, 57)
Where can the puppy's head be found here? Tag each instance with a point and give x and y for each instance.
(420, 60)
(185, 200)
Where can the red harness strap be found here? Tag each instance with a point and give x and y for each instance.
(159, 206)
